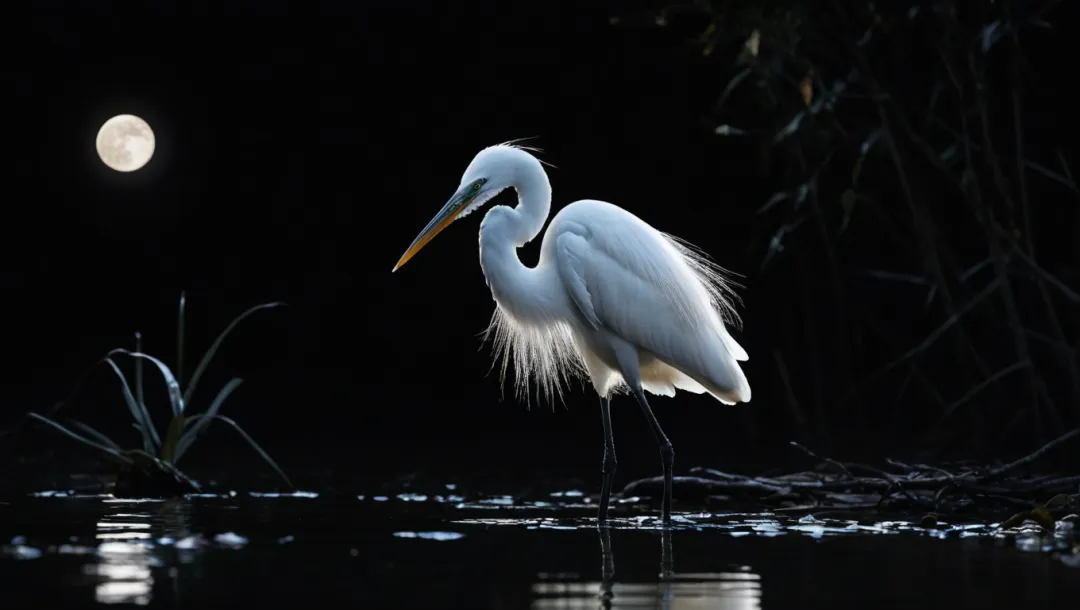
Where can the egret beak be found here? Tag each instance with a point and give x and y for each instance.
(442, 220)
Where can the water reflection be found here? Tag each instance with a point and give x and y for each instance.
(123, 560)
(211, 550)
(125, 553)
(736, 590)
(124, 571)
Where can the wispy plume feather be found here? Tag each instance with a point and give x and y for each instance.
(532, 149)
(715, 279)
(545, 352)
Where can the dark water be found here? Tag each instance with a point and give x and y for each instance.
(443, 547)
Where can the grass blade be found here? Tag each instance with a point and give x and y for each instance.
(167, 467)
(176, 398)
(89, 443)
(150, 436)
(199, 370)
(139, 372)
(138, 410)
(180, 339)
(189, 437)
(98, 436)
(172, 437)
(732, 84)
(75, 389)
(262, 453)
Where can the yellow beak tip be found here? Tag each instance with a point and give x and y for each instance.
(424, 238)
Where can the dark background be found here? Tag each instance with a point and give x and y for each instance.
(298, 156)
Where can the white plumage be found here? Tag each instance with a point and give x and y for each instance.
(620, 278)
(603, 274)
(611, 298)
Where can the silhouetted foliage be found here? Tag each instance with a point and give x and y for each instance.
(151, 469)
(924, 223)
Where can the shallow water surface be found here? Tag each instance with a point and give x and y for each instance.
(445, 548)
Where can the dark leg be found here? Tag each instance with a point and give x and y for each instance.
(667, 562)
(607, 568)
(607, 469)
(667, 453)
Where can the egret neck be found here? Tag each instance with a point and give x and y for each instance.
(505, 229)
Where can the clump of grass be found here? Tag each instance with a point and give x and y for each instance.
(155, 462)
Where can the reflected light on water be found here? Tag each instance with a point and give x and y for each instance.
(124, 560)
(717, 591)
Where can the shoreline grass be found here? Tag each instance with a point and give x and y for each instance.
(159, 455)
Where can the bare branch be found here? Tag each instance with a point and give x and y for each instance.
(1069, 293)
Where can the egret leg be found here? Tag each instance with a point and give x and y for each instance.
(607, 568)
(667, 452)
(607, 469)
(667, 562)
(630, 367)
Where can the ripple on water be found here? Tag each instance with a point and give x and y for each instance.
(1028, 536)
(739, 589)
(440, 536)
(125, 547)
(124, 544)
(295, 494)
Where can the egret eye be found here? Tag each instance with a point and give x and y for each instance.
(476, 187)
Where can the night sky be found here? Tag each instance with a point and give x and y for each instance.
(296, 159)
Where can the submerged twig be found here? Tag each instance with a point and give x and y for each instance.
(916, 485)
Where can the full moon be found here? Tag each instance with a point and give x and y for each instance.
(125, 143)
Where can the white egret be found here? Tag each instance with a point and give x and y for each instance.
(611, 298)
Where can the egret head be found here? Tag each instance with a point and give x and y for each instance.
(492, 170)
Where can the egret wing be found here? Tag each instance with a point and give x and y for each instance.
(571, 258)
(627, 278)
